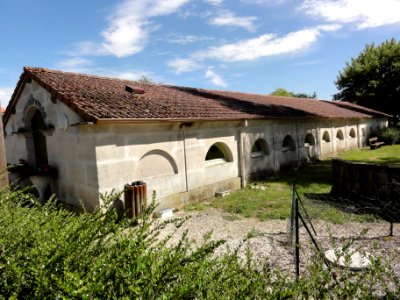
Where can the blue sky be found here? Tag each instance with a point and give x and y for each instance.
(244, 45)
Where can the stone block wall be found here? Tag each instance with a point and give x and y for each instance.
(169, 156)
(368, 180)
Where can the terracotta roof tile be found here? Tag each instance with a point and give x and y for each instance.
(95, 98)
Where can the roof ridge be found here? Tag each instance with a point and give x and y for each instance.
(266, 95)
(210, 91)
(30, 69)
(202, 90)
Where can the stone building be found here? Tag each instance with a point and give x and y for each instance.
(185, 143)
(3, 165)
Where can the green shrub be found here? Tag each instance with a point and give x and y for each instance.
(389, 135)
(48, 252)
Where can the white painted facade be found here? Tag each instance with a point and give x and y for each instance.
(170, 156)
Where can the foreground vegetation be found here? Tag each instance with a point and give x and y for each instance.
(47, 252)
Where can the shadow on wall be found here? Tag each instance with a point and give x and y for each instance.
(156, 163)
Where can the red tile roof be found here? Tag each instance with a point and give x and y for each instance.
(2, 110)
(97, 98)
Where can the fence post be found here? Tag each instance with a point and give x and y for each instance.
(297, 239)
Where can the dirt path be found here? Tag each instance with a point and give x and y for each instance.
(270, 238)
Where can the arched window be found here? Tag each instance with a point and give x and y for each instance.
(362, 132)
(325, 137)
(352, 133)
(219, 152)
(339, 135)
(259, 148)
(309, 140)
(288, 144)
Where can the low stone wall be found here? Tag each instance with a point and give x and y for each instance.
(368, 180)
(179, 200)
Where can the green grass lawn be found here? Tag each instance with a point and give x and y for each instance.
(275, 201)
(313, 182)
(384, 155)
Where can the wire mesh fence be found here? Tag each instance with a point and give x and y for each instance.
(378, 234)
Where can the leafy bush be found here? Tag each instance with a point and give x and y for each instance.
(48, 252)
(389, 135)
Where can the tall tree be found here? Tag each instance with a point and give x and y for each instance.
(285, 93)
(373, 78)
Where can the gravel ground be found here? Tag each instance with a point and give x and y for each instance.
(270, 238)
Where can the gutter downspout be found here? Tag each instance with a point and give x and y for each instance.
(185, 158)
(274, 148)
(318, 142)
(241, 163)
(298, 144)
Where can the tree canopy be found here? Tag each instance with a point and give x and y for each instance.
(285, 93)
(373, 78)
(146, 80)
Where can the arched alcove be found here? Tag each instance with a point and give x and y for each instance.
(352, 133)
(288, 144)
(339, 135)
(259, 148)
(325, 137)
(156, 163)
(309, 140)
(362, 132)
(219, 152)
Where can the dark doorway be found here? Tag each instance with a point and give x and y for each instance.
(39, 139)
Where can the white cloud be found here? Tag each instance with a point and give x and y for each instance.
(188, 39)
(228, 18)
(367, 13)
(181, 65)
(307, 63)
(264, 2)
(5, 95)
(128, 75)
(215, 2)
(251, 49)
(130, 25)
(73, 63)
(266, 45)
(215, 78)
(87, 48)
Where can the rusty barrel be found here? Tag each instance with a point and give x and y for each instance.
(135, 196)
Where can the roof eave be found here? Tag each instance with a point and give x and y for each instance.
(104, 121)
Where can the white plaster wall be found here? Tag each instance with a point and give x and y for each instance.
(3, 162)
(198, 142)
(70, 150)
(127, 153)
(258, 163)
(169, 157)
